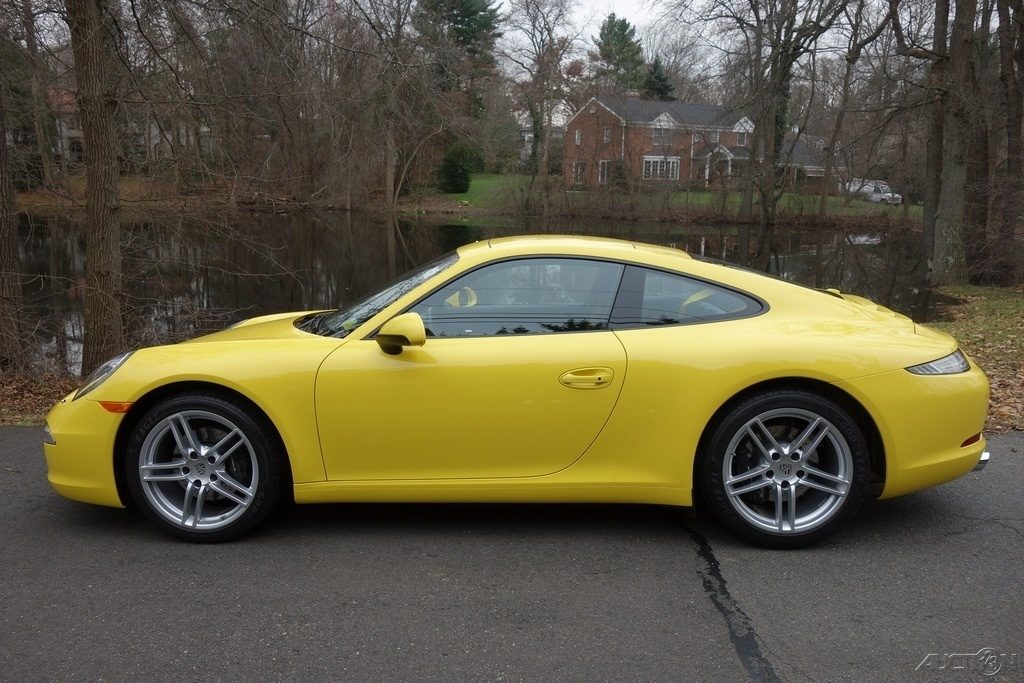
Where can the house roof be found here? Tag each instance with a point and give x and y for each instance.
(639, 110)
(739, 152)
(62, 101)
(808, 151)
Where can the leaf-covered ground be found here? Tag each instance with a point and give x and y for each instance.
(989, 323)
(26, 400)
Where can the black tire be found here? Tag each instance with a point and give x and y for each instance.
(271, 481)
(711, 461)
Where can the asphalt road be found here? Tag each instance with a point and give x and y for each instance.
(509, 592)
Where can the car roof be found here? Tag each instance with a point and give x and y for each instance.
(566, 244)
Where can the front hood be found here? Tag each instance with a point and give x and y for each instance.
(276, 326)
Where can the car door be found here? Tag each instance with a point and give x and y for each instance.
(518, 376)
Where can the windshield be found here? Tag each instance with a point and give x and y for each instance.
(339, 323)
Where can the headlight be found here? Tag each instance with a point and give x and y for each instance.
(952, 364)
(100, 374)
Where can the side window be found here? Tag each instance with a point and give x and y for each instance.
(524, 296)
(651, 297)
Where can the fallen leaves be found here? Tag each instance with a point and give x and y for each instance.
(26, 400)
(989, 323)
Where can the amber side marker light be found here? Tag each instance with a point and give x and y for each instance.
(115, 406)
(972, 439)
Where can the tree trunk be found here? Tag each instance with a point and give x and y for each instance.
(833, 140)
(979, 180)
(936, 120)
(10, 286)
(97, 104)
(41, 124)
(1011, 201)
(950, 260)
(542, 172)
(746, 210)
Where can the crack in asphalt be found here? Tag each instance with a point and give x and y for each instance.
(741, 629)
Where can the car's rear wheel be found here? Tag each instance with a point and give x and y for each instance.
(203, 467)
(784, 469)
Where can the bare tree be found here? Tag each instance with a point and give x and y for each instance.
(937, 55)
(10, 286)
(52, 177)
(1011, 76)
(91, 41)
(950, 263)
(540, 39)
(860, 36)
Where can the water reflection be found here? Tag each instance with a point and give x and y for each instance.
(186, 276)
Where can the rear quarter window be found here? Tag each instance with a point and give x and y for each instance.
(649, 298)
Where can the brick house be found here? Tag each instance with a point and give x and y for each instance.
(675, 143)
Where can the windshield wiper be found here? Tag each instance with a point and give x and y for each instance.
(313, 323)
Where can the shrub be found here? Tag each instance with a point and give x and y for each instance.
(459, 161)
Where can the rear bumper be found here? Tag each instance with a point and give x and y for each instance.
(924, 422)
(79, 446)
(982, 462)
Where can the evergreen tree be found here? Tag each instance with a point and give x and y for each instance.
(453, 175)
(619, 53)
(656, 83)
(461, 34)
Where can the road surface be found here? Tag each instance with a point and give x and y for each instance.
(374, 592)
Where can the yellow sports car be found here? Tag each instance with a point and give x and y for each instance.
(535, 369)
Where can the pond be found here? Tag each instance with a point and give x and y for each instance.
(186, 276)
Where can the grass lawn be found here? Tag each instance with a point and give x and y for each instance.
(486, 191)
(484, 188)
(989, 323)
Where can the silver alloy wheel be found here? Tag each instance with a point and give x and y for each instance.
(198, 470)
(787, 470)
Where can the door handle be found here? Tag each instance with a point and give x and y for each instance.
(587, 378)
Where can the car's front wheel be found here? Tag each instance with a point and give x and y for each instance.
(785, 468)
(204, 468)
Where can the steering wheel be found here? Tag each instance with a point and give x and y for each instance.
(462, 298)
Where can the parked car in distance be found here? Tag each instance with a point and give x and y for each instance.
(877, 191)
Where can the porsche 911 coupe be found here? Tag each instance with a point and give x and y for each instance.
(535, 369)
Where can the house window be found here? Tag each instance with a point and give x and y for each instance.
(579, 136)
(661, 168)
(602, 172)
(607, 135)
(698, 138)
(579, 172)
(713, 137)
(741, 139)
(662, 136)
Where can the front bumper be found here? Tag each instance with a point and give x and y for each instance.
(79, 450)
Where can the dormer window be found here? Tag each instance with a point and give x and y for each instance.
(713, 136)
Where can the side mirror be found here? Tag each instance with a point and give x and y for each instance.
(402, 330)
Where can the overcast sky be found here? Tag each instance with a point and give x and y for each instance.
(638, 12)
